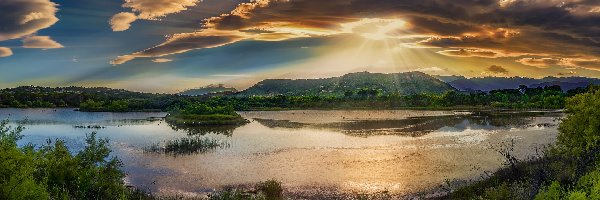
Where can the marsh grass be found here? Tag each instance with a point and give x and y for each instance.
(186, 146)
(267, 190)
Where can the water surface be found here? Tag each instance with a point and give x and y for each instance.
(313, 153)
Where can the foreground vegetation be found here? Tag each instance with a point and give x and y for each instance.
(53, 172)
(568, 170)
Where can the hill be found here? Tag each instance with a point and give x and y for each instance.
(354, 83)
(210, 89)
(496, 83)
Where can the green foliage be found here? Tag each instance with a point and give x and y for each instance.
(271, 189)
(53, 172)
(552, 192)
(91, 105)
(569, 170)
(205, 109)
(363, 84)
(203, 114)
(268, 190)
(355, 91)
(90, 99)
(580, 131)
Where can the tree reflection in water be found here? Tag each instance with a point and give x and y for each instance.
(420, 126)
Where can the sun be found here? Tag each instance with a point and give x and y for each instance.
(376, 28)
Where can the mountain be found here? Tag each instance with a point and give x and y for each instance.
(450, 78)
(210, 89)
(495, 83)
(402, 83)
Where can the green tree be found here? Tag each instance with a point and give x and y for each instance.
(580, 130)
(53, 172)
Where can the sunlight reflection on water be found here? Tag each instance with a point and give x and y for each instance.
(343, 151)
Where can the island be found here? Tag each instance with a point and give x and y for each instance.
(201, 114)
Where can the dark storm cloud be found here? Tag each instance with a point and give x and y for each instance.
(497, 69)
(494, 28)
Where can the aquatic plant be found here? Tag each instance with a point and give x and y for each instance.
(271, 189)
(267, 190)
(188, 145)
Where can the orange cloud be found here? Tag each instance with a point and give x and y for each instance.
(539, 62)
(5, 52)
(148, 10)
(20, 18)
(161, 60)
(181, 43)
(40, 42)
(122, 21)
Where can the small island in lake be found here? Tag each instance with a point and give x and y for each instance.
(200, 114)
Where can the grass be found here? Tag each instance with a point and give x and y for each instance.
(267, 190)
(524, 179)
(186, 146)
(205, 120)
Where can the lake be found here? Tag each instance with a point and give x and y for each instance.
(315, 154)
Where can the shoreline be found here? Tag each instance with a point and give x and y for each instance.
(458, 109)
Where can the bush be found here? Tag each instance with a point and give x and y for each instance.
(580, 130)
(53, 172)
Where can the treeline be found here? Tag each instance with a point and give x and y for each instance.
(523, 98)
(92, 99)
(105, 99)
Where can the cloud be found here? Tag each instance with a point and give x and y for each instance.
(496, 69)
(148, 10)
(539, 62)
(122, 21)
(20, 18)
(484, 53)
(5, 52)
(40, 42)
(463, 28)
(162, 60)
(154, 9)
(569, 73)
(181, 43)
(568, 63)
(431, 69)
(587, 63)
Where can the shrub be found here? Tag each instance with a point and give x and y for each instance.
(53, 172)
(580, 130)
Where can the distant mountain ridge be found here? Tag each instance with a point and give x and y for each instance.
(210, 89)
(402, 83)
(495, 83)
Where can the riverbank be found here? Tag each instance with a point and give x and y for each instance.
(570, 169)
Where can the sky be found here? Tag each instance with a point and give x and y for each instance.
(171, 45)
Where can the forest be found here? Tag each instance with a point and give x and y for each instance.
(104, 99)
